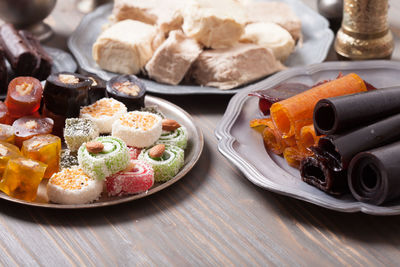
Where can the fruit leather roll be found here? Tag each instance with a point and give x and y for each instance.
(3, 72)
(374, 176)
(338, 114)
(24, 61)
(316, 172)
(307, 137)
(65, 93)
(44, 68)
(340, 149)
(293, 113)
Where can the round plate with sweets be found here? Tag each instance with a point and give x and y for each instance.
(315, 44)
(192, 154)
(241, 145)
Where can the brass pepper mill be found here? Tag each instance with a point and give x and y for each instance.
(364, 33)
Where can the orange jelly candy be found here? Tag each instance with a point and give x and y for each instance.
(3, 113)
(22, 177)
(45, 148)
(27, 127)
(23, 96)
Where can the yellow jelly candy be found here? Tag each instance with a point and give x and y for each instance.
(22, 177)
(7, 152)
(45, 148)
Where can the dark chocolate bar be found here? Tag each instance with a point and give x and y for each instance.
(340, 149)
(23, 60)
(374, 176)
(127, 89)
(316, 172)
(338, 114)
(46, 62)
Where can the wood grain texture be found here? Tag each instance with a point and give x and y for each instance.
(214, 216)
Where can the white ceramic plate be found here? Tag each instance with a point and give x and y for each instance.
(317, 38)
(192, 154)
(243, 145)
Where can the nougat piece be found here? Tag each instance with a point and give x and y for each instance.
(164, 14)
(22, 177)
(214, 24)
(231, 67)
(275, 12)
(126, 46)
(173, 58)
(270, 35)
(45, 148)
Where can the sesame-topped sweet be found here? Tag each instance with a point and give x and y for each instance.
(138, 128)
(104, 112)
(73, 186)
(78, 131)
(128, 89)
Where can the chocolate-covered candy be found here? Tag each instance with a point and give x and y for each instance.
(127, 89)
(97, 89)
(22, 58)
(65, 93)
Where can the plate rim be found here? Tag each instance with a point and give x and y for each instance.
(197, 150)
(326, 34)
(226, 140)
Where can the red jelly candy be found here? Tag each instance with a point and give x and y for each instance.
(4, 119)
(27, 127)
(139, 178)
(23, 96)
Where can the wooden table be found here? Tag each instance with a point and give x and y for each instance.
(214, 216)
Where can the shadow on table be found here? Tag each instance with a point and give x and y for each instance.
(152, 208)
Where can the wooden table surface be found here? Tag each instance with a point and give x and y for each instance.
(214, 216)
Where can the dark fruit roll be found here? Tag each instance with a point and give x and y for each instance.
(46, 62)
(316, 172)
(338, 114)
(65, 93)
(23, 60)
(24, 96)
(97, 89)
(374, 176)
(340, 149)
(127, 89)
(27, 127)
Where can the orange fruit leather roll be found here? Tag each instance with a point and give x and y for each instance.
(293, 156)
(307, 137)
(260, 124)
(297, 111)
(272, 138)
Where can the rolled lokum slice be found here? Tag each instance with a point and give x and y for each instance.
(78, 131)
(22, 177)
(178, 137)
(104, 113)
(166, 162)
(128, 89)
(23, 96)
(7, 133)
(73, 186)
(65, 93)
(103, 157)
(338, 114)
(373, 176)
(134, 152)
(139, 178)
(7, 152)
(27, 127)
(45, 148)
(138, 128)
(291, 114)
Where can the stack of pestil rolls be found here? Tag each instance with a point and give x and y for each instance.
(359, 145)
